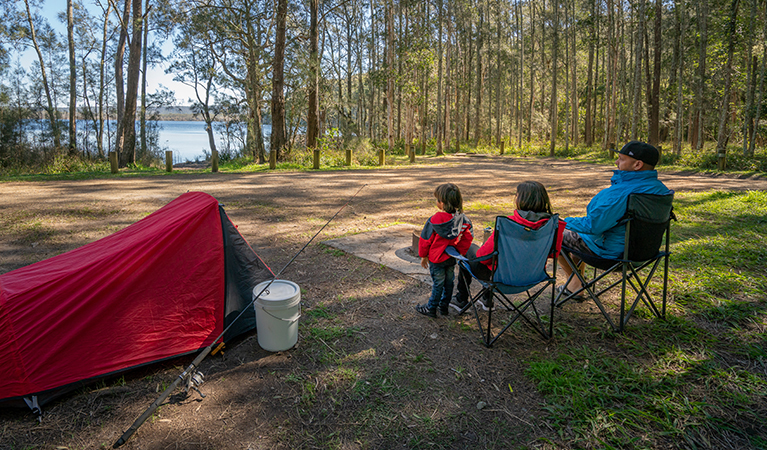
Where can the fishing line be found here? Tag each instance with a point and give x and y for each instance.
(195, 378)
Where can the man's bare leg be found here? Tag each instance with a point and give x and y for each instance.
(574, 284)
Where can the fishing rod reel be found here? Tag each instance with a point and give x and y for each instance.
(194, 380)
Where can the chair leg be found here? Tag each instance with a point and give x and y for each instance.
(586, 287)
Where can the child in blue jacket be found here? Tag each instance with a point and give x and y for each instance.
(449, 227)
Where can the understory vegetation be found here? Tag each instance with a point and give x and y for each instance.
(363, 153)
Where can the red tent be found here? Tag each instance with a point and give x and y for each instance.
(165, 286)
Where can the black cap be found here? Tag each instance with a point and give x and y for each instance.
(641, 151)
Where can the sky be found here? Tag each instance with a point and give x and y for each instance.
(156, 76)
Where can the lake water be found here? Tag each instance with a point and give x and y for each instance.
(188, 140)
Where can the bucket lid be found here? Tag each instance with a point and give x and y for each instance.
(280, 292)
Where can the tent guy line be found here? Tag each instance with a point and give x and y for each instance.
(194, 377)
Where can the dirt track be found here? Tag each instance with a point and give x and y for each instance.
(277, 213)
(265, 206)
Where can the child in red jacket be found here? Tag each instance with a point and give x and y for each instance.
(449, 227)
(533, 210)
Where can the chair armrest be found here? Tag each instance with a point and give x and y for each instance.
(451, 251)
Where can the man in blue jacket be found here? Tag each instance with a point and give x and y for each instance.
(598, 232)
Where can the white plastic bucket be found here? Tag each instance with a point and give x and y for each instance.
(278, 309)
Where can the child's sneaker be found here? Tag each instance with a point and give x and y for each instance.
(444, 311)
(426, 311)
(458, 304)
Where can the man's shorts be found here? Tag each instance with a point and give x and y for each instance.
(573, 240)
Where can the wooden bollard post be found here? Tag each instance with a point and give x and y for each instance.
(113, 161)
(348, 157)
(316, 159)
(502, 147)
(381, 157)
(721, 160)
(168, 161)
(214, 161)
(272, 159)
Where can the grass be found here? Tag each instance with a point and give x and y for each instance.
(697, 378)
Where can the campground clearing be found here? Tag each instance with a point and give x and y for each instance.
(368, 371)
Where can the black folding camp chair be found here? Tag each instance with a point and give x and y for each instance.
(648, 222)
(519, 263)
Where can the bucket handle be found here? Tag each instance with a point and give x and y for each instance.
(290, 321)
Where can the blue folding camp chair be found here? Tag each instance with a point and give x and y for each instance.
(648, 222)
(519, 262)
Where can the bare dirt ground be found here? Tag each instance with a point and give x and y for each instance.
(299, 398)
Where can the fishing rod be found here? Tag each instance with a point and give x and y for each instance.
(190, 374)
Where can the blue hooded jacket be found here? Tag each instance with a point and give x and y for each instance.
(598, 229)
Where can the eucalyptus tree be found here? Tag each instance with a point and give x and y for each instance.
(760, 86)
(31, 30)
(592, 39)
(748, 117)
(723, 135)
(313, 113)
(278, 138)
(554, 116)
(91, 52)
(242, 30)
(132, 24)
(696, 134)
(72, 78)
(193, 64)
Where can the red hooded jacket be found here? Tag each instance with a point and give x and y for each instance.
(538, 220)
(442, 230)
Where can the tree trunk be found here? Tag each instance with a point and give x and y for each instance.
(143, 83)
(51, 109)
(532, 73)
(478, 105)
(373, 60)
(636, 100)
(554, 73)
(449, 85)
(611, 75)
(390, 75)
(126, 141)
(278, 81)
(654, 119)
(102, 83)
(760, 90)
(498, 80)
(681, 26)
(723, 135)
(119, 56)
(519, 98)
(697, 132)
(750, 82)
(72, 80)
(312, 117)
(588, 120)
(439, 78)
(574, 79)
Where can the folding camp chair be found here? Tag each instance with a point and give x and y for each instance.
(648, 222)
(519, 262)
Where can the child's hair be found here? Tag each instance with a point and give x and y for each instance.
(532, 196)
(450, 196)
